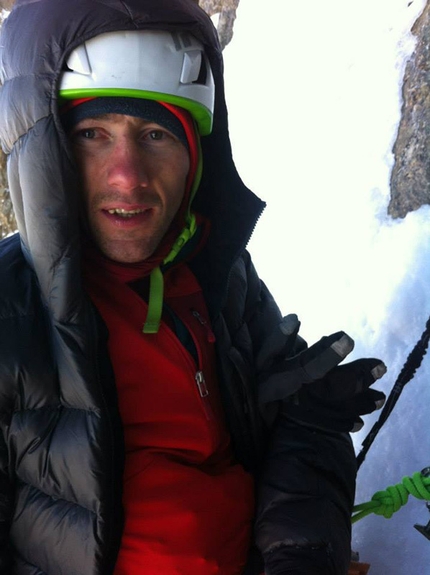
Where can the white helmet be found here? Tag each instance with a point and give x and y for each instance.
(157, 65)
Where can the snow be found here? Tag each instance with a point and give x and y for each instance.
(314, 96)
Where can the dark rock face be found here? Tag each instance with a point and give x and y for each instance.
(410, 177)
(7, 218)
(227, 15)
(6, 4)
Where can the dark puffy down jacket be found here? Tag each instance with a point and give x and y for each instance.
(61, 445)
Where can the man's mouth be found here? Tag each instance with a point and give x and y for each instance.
(125, 213)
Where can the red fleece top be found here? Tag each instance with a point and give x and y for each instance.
(188, 504)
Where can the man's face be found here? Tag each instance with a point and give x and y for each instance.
(133, 175)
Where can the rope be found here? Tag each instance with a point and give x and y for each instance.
(412, 363)
(387, 502)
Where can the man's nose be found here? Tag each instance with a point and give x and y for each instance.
(126, 170)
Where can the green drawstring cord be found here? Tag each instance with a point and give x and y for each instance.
(156, 288)
(156, 280)
(389, 501)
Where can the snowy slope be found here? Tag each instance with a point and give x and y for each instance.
(314, 98)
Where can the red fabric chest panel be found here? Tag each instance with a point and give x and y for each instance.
(188, 506)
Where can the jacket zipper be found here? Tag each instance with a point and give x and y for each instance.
(201, 384)
(199, 376)
(203, 322)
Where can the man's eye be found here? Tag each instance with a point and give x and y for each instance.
(156, 134)
(88, 133)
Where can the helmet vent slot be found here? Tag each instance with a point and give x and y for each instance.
(203, 74)
(191, 67)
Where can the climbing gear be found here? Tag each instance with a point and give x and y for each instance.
(424, 529)
(412, 363)
(153, 64)
(387, 502)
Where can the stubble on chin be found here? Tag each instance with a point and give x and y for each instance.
(126, 251)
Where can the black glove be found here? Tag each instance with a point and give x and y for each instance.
(316, 391)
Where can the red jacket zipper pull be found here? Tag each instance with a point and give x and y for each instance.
(201, 384)
(205, 324)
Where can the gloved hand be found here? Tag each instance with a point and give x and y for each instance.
(315, 390)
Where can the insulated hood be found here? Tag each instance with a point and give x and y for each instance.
(35, 42)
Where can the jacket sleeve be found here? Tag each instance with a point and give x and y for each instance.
(5, 506)
(307, 483)
(306, 495)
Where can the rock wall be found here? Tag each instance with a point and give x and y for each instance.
(6, 4)
(410, 177)
(7, 218)
(227, 15)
